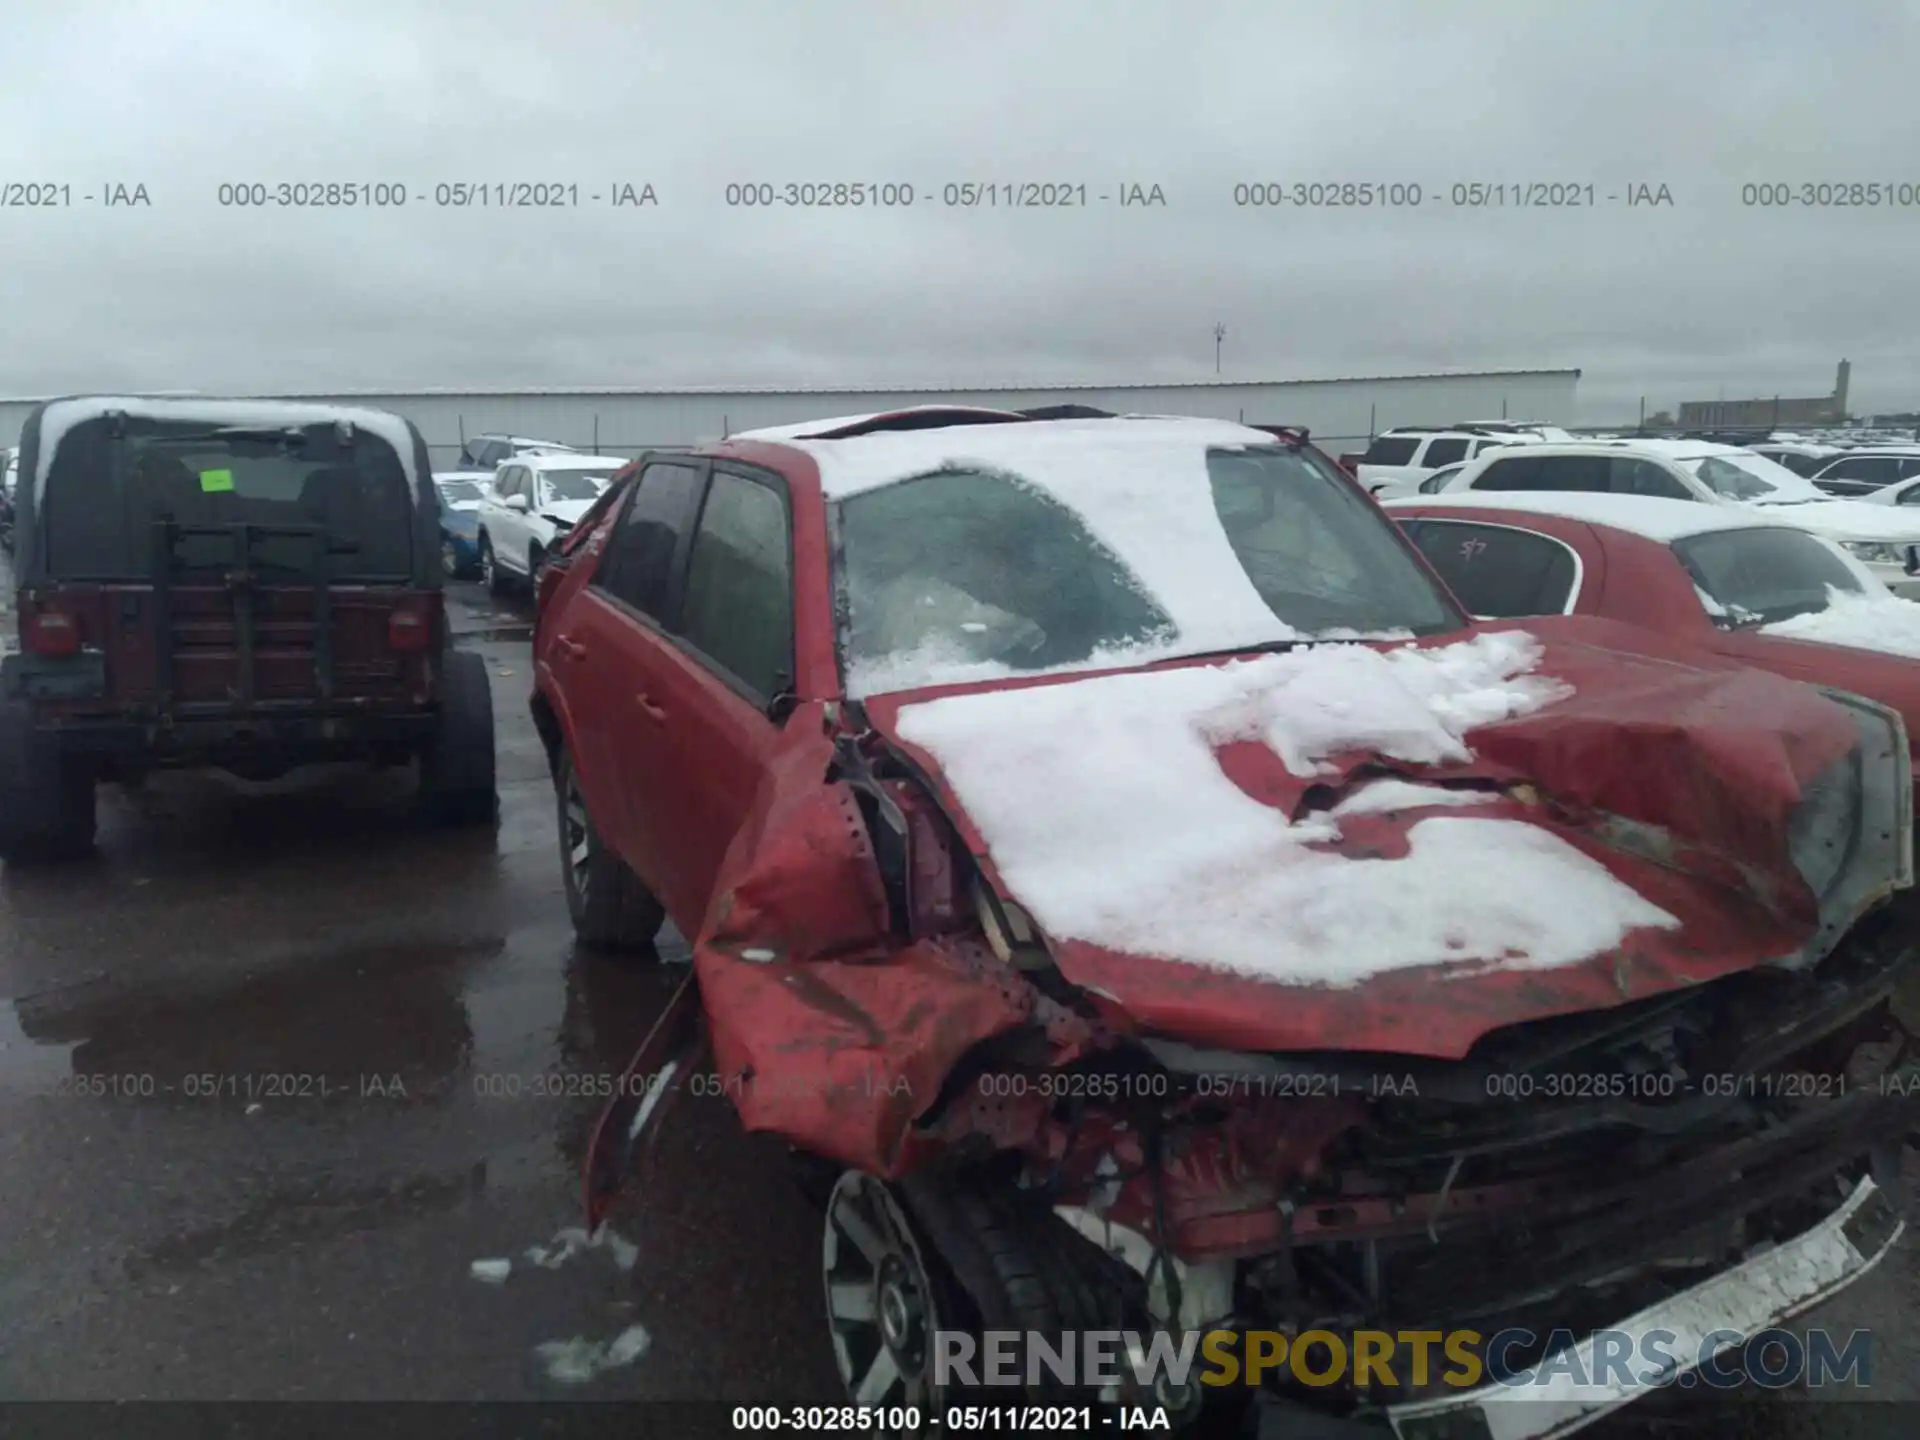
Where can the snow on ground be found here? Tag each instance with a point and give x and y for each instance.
(1111, 820)
(1880, 622)
(576, 1361)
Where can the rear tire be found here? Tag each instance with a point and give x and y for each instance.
(46, 801)
(610, 907)
(456, 768)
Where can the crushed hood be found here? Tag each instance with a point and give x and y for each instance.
(1621, 828)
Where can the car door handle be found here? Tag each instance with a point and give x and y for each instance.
(573, 648)
(649, 709)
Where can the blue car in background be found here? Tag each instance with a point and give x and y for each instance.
(460, 492)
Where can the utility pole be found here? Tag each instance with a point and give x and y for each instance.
(1219, 334)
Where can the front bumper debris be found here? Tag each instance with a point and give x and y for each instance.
(1755, 1295)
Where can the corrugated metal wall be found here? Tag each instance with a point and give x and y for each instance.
(1341, 413)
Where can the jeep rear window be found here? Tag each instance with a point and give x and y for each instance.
(104, 495)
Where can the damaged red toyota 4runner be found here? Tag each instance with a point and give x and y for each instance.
(1114, 862)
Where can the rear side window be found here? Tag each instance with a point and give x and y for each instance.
(1550, 472)
(1391, 450)
(1754, 577)
(637, 567)
(738, 605)
(1591, 474)
(1496, 571)
(103, 497)
(1444, 452)
(1627, 476)
(1874, 469)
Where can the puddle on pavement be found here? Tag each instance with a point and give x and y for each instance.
(27, 1064)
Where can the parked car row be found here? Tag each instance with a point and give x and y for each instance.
(1882, 536)
(1072, 821)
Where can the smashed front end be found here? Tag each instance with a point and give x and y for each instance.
(1478, 1143)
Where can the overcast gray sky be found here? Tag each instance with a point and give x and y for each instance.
(1690, 300)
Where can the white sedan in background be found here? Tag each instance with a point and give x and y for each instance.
(534, 500)
(1886, 541)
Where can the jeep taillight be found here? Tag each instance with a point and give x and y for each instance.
(408, 630)
(49, 632)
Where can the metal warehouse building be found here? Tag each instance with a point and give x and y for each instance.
(1342, 414)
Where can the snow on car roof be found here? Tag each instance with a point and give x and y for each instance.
(1110, 819)
(1874, 621)
(61, 416)
(475, 477)
(1661, 520)
(1141, 487)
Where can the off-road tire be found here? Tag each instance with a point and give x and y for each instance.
(46, 803)
(611, 908)
(457, 767)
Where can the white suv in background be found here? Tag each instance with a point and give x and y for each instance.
(535, 499)
(1879, 536)
(1869, 468)
(1399, 459)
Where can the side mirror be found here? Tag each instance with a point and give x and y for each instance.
(519, 503)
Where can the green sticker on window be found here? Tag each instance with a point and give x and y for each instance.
(215, 482)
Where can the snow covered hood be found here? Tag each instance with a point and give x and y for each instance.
(60, 416)
(1260, 854)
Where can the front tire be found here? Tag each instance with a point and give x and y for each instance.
(610, 907)
(490, 571)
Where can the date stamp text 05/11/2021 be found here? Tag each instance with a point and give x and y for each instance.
(987, 194)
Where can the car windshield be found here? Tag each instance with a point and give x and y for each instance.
(1757, 577)
(575, 484)
(1749, 477)
(103, 495)
(970, 567)
(459, 492)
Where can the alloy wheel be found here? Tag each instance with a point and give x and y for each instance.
(881, 1308)
(577, 841)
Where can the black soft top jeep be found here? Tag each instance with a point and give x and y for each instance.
(245, 584)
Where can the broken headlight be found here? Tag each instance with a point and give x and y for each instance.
(1826, 823)
(1851, 835)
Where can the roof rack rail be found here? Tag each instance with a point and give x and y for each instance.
(929, 417)
(1068, 412)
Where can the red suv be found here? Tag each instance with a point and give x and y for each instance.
(1108, 849)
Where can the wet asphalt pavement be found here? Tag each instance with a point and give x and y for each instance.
(206, 1235)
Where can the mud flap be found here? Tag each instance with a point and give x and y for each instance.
(623, 1138)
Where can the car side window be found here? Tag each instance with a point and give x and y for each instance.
(638, 566)
(1497, 571)
(1908, 496)
(1872, 468)
(737, 608)
(1909, 466)
(1391, 450)
(1548, 472)
(1642, 477)
(1444, 452)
